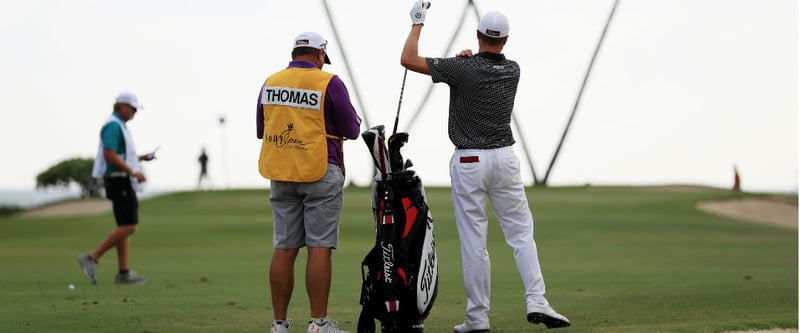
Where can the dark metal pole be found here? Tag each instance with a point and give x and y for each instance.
(360, 108)
(580, 93)
(356, 91)
(518, 129)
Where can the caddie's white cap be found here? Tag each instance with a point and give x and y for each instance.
(494, 24)
(312, 40)
(128, 98)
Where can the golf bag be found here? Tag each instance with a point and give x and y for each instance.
(401, 279)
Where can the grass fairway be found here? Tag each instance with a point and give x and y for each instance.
(614, 259)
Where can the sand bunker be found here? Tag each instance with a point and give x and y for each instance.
(775, 211)
(70, 208)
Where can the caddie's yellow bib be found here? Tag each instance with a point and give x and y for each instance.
(294, 147)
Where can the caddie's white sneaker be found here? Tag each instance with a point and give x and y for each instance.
(324, 325)
(544, 314)
(281, 326)
(472, 327)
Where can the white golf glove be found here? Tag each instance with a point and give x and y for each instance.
(418, 11)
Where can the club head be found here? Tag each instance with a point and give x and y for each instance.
(396, 141)
(375, 138)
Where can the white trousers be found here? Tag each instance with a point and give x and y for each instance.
(493, 174)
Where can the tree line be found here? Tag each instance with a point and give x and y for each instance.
(74, 170)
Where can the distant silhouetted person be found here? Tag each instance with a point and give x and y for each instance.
(203, 159)
(737, 181)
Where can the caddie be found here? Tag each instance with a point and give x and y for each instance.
(303, 116)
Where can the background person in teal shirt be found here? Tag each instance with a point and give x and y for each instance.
(118, 164)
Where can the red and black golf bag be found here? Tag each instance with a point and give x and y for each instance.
(401, 278)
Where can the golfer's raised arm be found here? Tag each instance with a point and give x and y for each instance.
(410, 57)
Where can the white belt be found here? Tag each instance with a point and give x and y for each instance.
(116, 174)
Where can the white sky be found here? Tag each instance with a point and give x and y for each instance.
(681, 91)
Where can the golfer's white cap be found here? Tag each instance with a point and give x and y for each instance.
(128, 98)
(494, 24)
(312, 40)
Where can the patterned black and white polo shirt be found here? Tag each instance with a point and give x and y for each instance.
(482, 92)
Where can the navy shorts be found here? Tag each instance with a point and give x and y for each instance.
(123, 198)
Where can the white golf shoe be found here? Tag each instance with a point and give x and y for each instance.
(544, 314)
(472, 327)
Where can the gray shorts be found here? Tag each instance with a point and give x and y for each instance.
(307, 214)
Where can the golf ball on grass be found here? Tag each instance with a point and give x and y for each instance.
(71, 286)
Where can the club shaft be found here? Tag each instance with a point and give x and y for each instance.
(400, 102)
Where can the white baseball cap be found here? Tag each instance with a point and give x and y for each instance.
(128, 98)
(312, 40)
(494, 24)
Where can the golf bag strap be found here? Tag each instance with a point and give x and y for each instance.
(366, 320)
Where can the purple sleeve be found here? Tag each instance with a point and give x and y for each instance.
(341, 118)
(259, 117)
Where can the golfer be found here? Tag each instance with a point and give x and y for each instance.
(484, 166)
